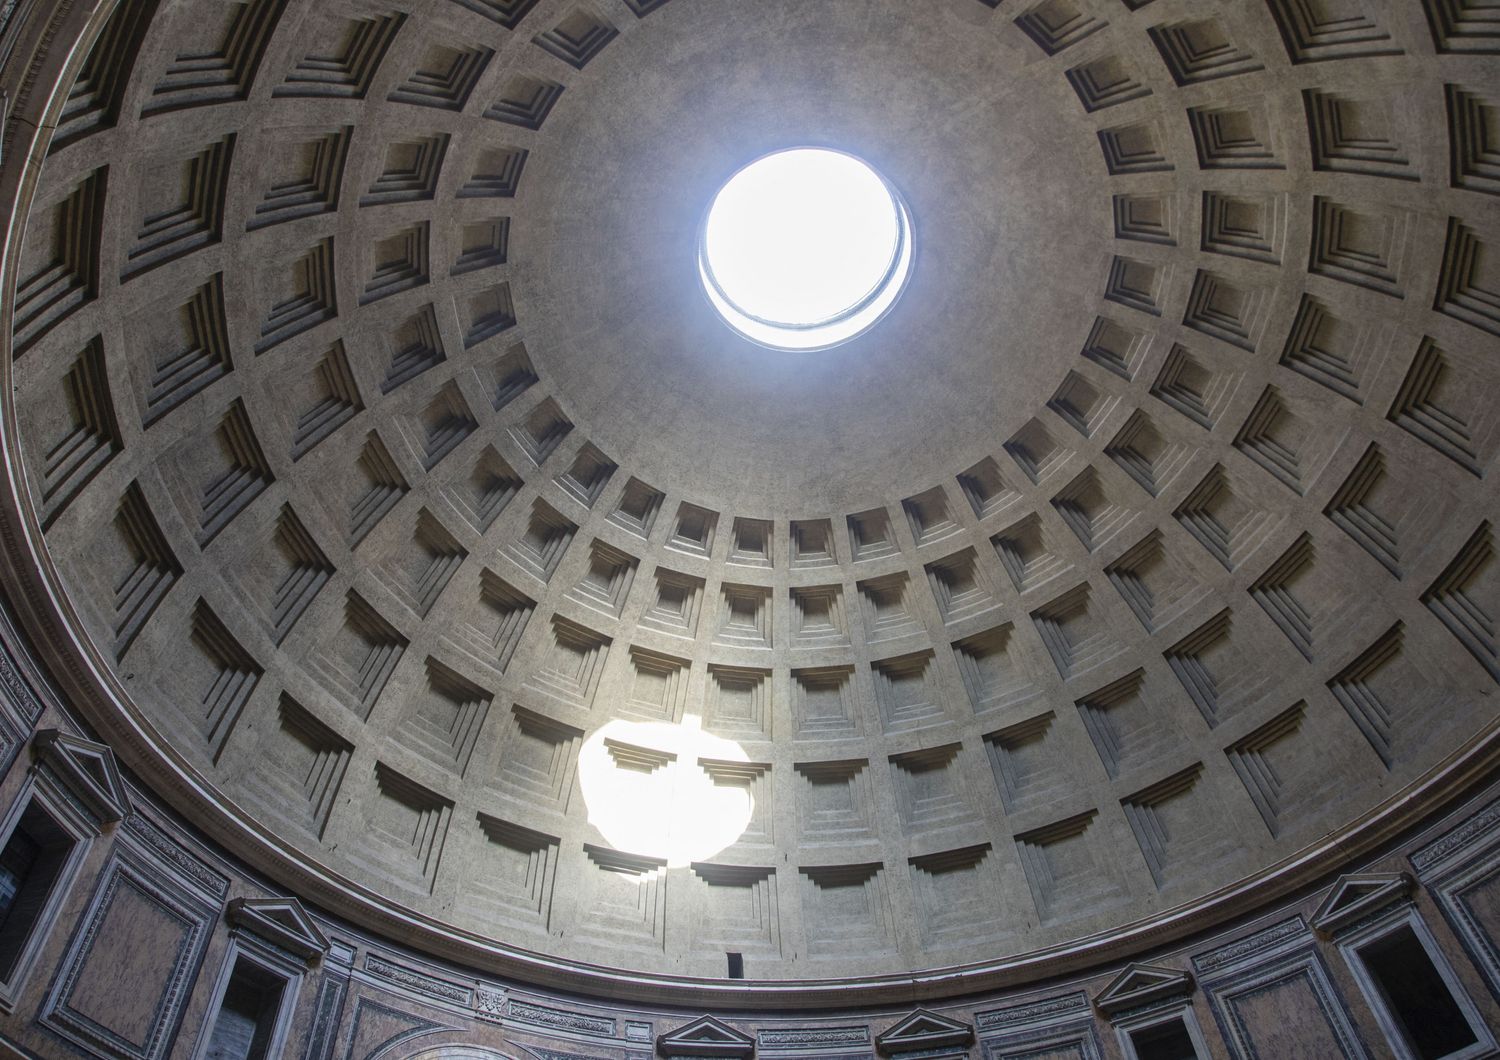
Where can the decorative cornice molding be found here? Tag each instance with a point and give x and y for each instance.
(1430, 858)
(1287, 932)
(282, 922)
(813, 1037)
(419, 982)
(87, 770)
(1356, 896)
(706, 1037)
(1142, 984)
(1048, 1009)
(560, 1019)
(170, 853)
(922, 1031)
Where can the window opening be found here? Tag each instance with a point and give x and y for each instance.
(1166, 1041)
(247, 1014)
(30, 865)
(1416, 996)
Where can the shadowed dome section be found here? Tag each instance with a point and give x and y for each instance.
(805, 249)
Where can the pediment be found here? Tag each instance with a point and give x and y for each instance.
(1141, 984)
(88, 770)
(1356, 896)
(924, 1030)
(706, 1036)
(282, 922)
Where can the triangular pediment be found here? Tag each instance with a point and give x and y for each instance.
(925, 1030)
(282, 922)
(1357, 895)
(1140, 984)
(706, 1036)
(88, 770)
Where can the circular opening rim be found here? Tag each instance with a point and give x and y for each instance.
(845, 325)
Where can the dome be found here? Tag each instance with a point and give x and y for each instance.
(387, 493)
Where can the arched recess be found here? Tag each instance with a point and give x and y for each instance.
(457, 1052)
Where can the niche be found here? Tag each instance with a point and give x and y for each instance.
(33, 860)
(271, 945)
(1421, 1007)
(72, 793)
(246, 1023)
(1165, 1041)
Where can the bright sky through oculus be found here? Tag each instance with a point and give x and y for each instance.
(805, 248)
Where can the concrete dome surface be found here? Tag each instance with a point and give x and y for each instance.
(396, 505)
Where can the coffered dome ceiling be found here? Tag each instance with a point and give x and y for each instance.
(417, 525)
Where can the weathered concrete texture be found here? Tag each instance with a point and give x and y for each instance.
(387, 451)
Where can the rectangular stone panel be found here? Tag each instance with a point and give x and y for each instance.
(1284, 1006)
(129, 967)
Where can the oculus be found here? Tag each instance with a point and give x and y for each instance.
(805, 248)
